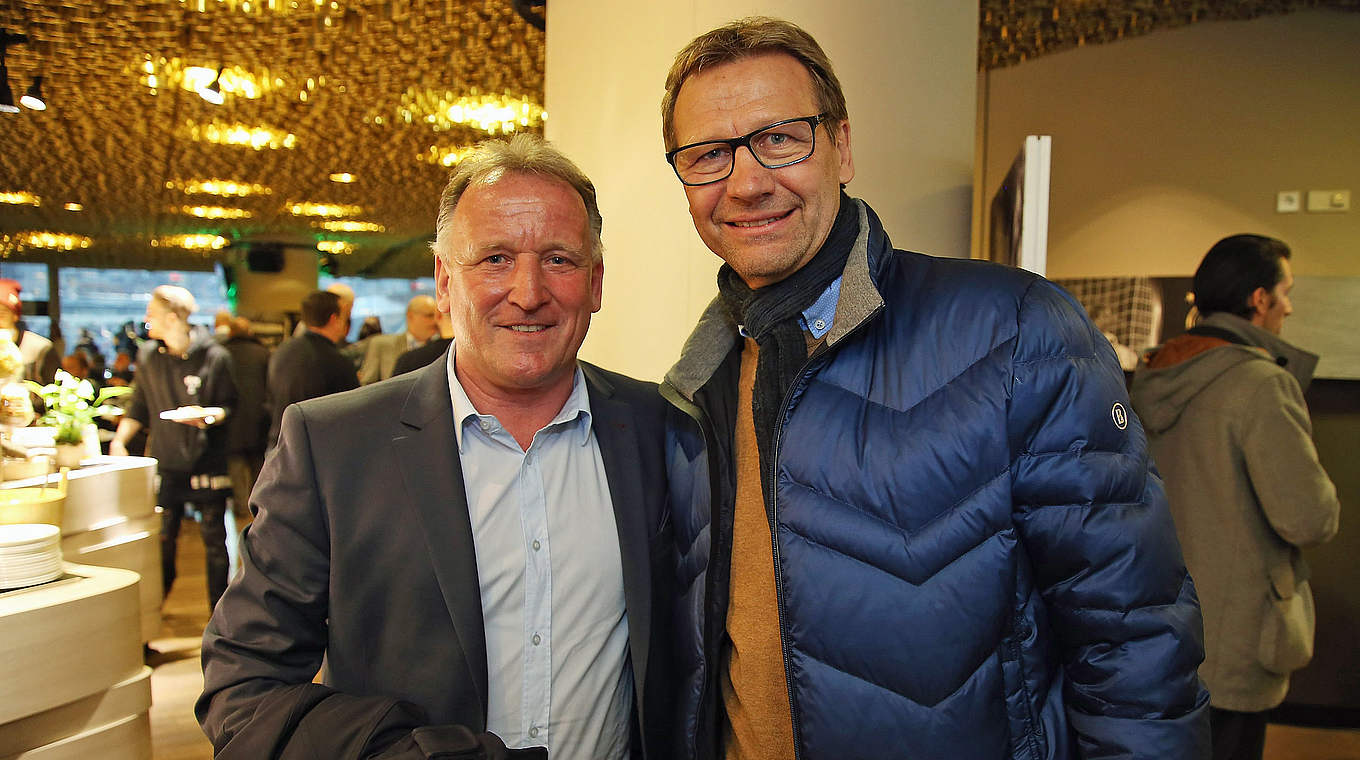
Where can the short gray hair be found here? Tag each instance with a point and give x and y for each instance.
(522, 154)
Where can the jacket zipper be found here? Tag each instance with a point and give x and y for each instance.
(798, 379)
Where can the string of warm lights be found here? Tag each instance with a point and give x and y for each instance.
(53, 241)
(192, 242)
(350, 226)
(223, 187)
(493, 114)
(322, 209)
(334, 246)
(20, 198)
(221, 133)
(215, 212)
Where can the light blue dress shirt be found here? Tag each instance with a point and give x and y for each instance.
(551, 579)
(816, 318)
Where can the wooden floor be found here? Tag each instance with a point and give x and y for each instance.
(177, 679)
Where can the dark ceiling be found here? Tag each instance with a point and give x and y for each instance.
(364, 87)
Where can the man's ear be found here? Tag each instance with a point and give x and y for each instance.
(1259, 301)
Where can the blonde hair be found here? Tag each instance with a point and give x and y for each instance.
(175, 299)
(751, 36)
(524, 154)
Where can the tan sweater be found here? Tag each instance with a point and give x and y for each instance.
(754, 688)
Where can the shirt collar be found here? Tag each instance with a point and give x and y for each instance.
(818, 317)
(575, 409)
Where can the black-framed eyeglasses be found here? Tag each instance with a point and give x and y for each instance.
(783, 143)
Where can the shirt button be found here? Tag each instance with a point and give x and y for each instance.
(537, 545)
(537, 639)
(533, 731)
(486, 425)
(819, 324)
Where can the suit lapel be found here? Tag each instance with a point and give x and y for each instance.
(616, 433)
(428, 452)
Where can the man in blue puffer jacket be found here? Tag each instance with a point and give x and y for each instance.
(913, 512)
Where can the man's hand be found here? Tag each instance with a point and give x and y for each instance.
(127, 428)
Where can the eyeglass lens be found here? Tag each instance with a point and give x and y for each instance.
(774, 147)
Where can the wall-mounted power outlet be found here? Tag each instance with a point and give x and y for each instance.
(1287, 201)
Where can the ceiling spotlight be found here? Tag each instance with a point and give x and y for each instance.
(213, 92)
(33, 98)
(343, 177)
(74, 207)
(6, 96)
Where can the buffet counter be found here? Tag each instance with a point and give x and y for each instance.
(74, 685)
(110, 520)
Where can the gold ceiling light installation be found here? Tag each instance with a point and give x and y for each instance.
(323, 209)
(215, 212)
(221, 133)
(74, 207)
(343, 178)
(350, 226)
(226, 188)
(20, 198)
(162, 73)
(492, 114)
(128, 142)
(334, 246)
(442, 156)
(193, 242)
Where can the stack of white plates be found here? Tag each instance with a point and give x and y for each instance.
(29, 554)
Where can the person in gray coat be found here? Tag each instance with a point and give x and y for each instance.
(1224, 410)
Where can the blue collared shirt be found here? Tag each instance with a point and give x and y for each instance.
(818, 317)
(551, 578)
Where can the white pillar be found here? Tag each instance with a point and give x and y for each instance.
(908, 68)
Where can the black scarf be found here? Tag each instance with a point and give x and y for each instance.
(771, 315)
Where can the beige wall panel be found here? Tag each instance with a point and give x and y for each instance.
(908, 69)
(1164, 143)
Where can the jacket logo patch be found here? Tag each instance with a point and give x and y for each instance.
(191, 384)
(1120, 417)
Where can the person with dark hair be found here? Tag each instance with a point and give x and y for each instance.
(184, 395)
(915, 516)
(371, 326)
(479, 550)
(310, 365)
(1226, 420)
(249, 425)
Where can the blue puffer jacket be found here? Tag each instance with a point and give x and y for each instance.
(973, 552)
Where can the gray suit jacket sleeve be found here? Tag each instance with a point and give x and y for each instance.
(275, 632)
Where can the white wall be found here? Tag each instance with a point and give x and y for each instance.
(909, 72)
(1165, 143)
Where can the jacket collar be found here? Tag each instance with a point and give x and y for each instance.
(716, 333)
(1296, 361)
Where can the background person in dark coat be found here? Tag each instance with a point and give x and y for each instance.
(249, 423)
(310, 365)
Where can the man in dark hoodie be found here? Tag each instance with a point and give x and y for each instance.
(1223, 407)
(184, 392)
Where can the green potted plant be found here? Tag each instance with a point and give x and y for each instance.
(71, 406)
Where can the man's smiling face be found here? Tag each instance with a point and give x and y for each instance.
(765, 223)
(519, 284)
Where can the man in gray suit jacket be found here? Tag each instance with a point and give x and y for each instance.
(480, 549)
(380, 355)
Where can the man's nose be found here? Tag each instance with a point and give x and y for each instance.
(749, 178)
(527, 286)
